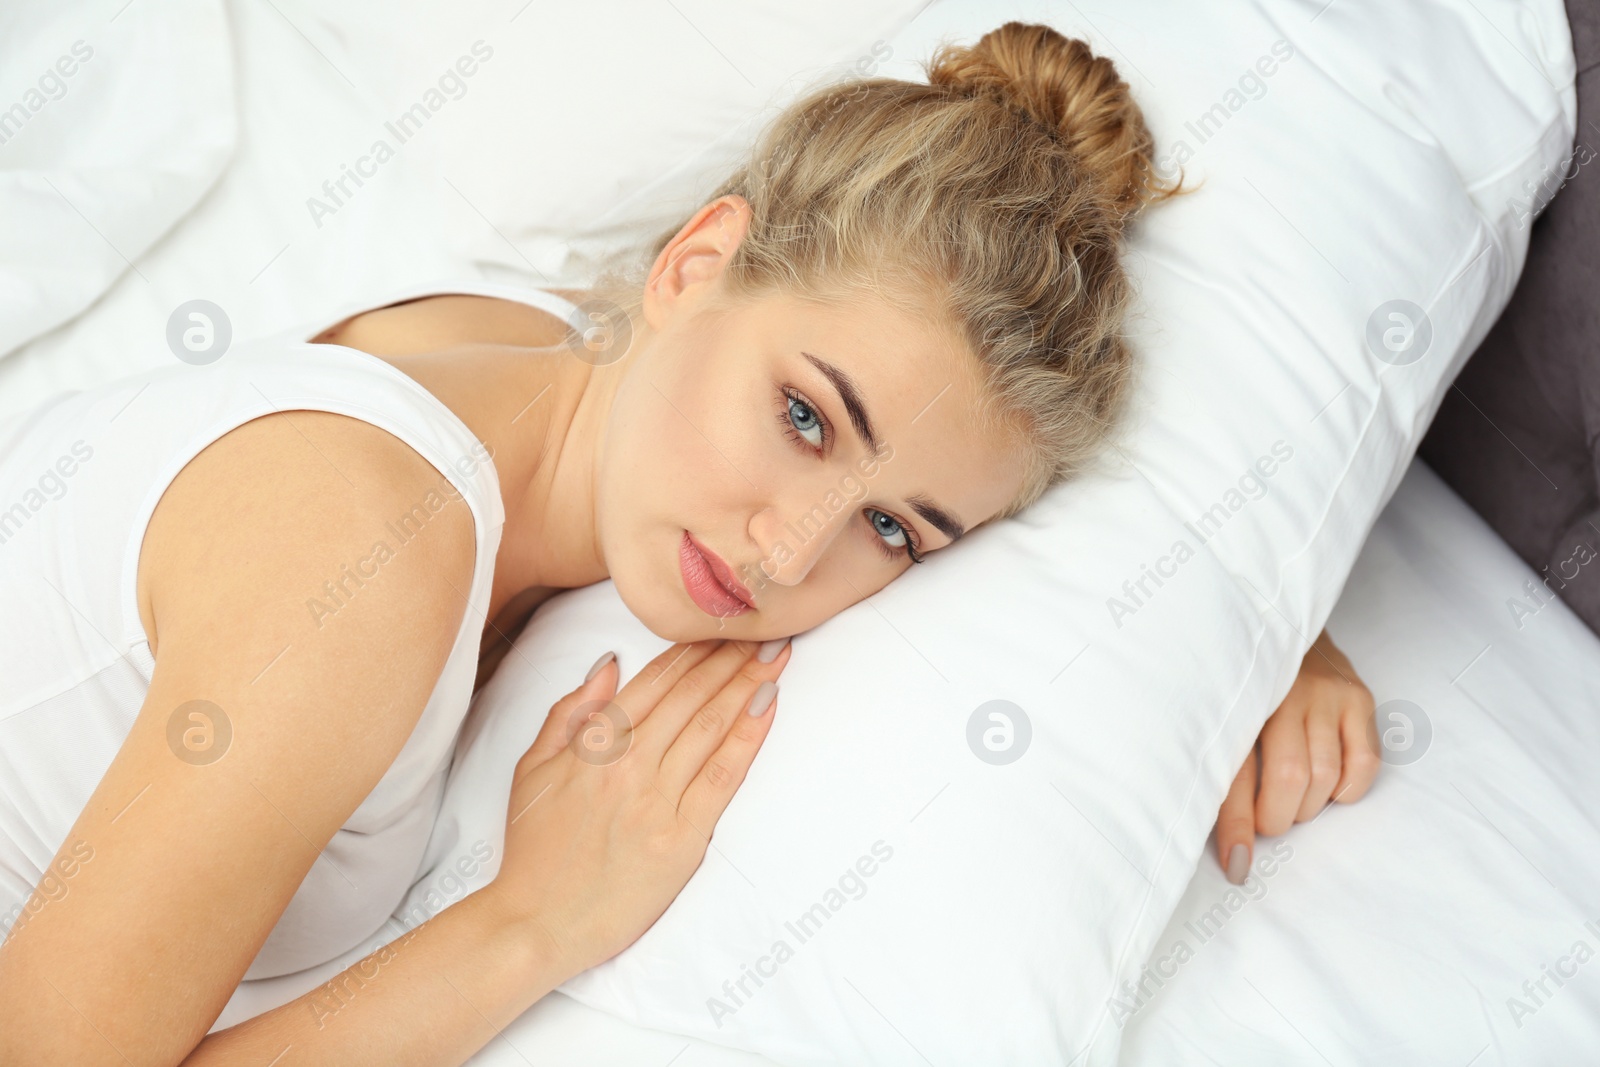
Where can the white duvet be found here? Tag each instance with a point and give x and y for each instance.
(111, 130)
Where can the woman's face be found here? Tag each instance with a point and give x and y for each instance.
(810, 449)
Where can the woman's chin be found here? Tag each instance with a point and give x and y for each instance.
(673, 618)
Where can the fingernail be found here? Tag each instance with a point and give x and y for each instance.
(1238, 864)
(763, 698)
(769, 649)
(599, 665)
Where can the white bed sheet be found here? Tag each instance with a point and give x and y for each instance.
(1402, 926)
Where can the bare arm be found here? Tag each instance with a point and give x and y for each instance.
(191, 863)
(433, 995)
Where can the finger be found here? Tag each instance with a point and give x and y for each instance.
(1236, 822)
(645, 690)
(688, 695)
(707, 728)
(558, 725)
(715, 783)
(1362, 756)
(1285, 771)
(1326, 754)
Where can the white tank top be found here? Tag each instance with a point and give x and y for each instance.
(79, 478)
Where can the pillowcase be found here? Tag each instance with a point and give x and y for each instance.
(561, 177)
(988, 786)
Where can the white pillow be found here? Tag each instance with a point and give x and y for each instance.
(566, 140)
(1142, 621)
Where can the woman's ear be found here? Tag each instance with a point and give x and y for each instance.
(692, 262)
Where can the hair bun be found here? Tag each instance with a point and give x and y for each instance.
(1062, 85)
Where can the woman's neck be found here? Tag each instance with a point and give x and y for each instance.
(552, 440)
(504, 369)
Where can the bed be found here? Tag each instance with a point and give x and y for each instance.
(1449, 917)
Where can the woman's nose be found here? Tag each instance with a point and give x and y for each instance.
(793, 538)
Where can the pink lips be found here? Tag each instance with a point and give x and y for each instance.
(710, 582)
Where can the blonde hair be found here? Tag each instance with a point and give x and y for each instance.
(994, 197)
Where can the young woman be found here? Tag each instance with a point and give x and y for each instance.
(244, 636)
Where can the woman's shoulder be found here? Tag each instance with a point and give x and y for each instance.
(444, 320)
(326, 512)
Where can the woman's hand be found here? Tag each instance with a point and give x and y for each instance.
(613, 804)
(1320, 745)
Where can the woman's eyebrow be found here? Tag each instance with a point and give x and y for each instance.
(850, 396)
(938, 517)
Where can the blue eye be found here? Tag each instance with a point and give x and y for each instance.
(888, 529)
(802, 418)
